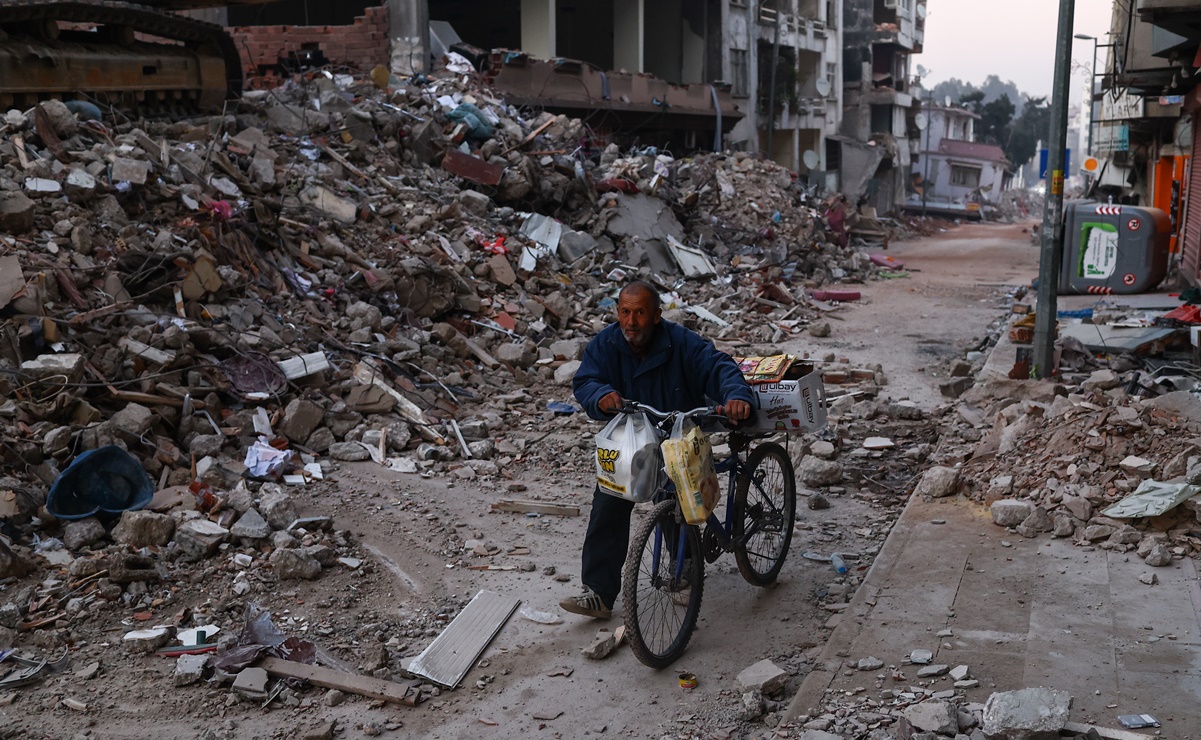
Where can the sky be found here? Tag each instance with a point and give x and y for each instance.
(1015, 40)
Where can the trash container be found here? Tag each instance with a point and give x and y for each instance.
(1113, 249)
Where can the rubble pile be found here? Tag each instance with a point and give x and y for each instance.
(924, 710)
(333, 271)
(307, 258)
(1052, 460)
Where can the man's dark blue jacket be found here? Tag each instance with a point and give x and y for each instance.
(680, 371)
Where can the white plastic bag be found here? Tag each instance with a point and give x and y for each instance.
(628, 464)
(688, 457)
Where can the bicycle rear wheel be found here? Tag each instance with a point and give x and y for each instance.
(660, 608)
(765, 509)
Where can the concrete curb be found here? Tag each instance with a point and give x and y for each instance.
(813, 688)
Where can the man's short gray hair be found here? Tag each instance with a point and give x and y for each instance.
(643, 286)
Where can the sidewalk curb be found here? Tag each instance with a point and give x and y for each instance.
(813, 688)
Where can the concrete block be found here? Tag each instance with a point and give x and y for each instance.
(301, 417)
(1010, 512)
(938, 482)
(565, 373)
(813, 471)
(291, 564)
(16, 212)
(143, 529)
(276, 506)
(764, 676)
(200, 538)
(1026, 714)
(189, 669)
(45, 366)
(934, 716)
(251, 526)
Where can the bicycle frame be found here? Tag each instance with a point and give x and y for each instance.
(724, 530)
(733, 465)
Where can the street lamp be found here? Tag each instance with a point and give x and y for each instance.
(1092, 81)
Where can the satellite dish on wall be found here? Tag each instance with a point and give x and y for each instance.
(823, 87)
(921, 70)
(921, 121)
(921, 12)
(811, 159)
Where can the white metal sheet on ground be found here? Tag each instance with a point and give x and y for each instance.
(1107, 338)
(449, 657)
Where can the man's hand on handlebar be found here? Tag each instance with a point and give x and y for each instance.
(735, 410)
(611, 403)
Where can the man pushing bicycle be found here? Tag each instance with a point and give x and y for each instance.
(654, 362)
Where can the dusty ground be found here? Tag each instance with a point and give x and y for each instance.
(410, 533)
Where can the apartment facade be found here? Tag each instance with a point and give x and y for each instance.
(878, 136)
(792, 116)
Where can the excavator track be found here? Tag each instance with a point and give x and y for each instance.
(128, 56)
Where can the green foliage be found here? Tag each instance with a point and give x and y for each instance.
(787, 82)
(1008, 117)
(1028, 130)
(995, 120)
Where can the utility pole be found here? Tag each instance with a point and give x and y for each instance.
(1052, 229)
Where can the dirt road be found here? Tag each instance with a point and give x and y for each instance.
(912, 326)
(533, 678)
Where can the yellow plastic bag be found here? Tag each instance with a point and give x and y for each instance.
(688, 458)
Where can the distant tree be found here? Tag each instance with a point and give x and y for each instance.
(973, 100)
(995, 120)
(995, 89)
(1028, 130)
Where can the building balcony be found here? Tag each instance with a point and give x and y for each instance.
(795, 32)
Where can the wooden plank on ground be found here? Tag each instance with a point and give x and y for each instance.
(449, 657)
(536, 507)
(352, 683)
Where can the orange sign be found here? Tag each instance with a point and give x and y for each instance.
(1057, 182)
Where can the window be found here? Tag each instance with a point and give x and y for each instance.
(739, 74)
(965, 177)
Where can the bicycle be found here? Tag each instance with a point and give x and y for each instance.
(664, 574)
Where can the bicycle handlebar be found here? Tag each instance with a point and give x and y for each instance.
(700, 414)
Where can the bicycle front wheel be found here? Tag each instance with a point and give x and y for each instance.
(661, 607)
(765, 509)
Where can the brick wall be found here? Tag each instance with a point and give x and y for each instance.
(361, 45)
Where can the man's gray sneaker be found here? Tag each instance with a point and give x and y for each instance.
(587, 604)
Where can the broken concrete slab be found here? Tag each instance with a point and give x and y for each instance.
(200, 538)
(1026, 714)
(16, 212)
(938, 482)
(765, 677)
(602, 646)
(1010, 512)
(189, 669)
(143, 529)
(292, 564)
(940, 717)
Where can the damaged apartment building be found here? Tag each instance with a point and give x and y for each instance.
(695, 49)
(678, 75)
(878, 137)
